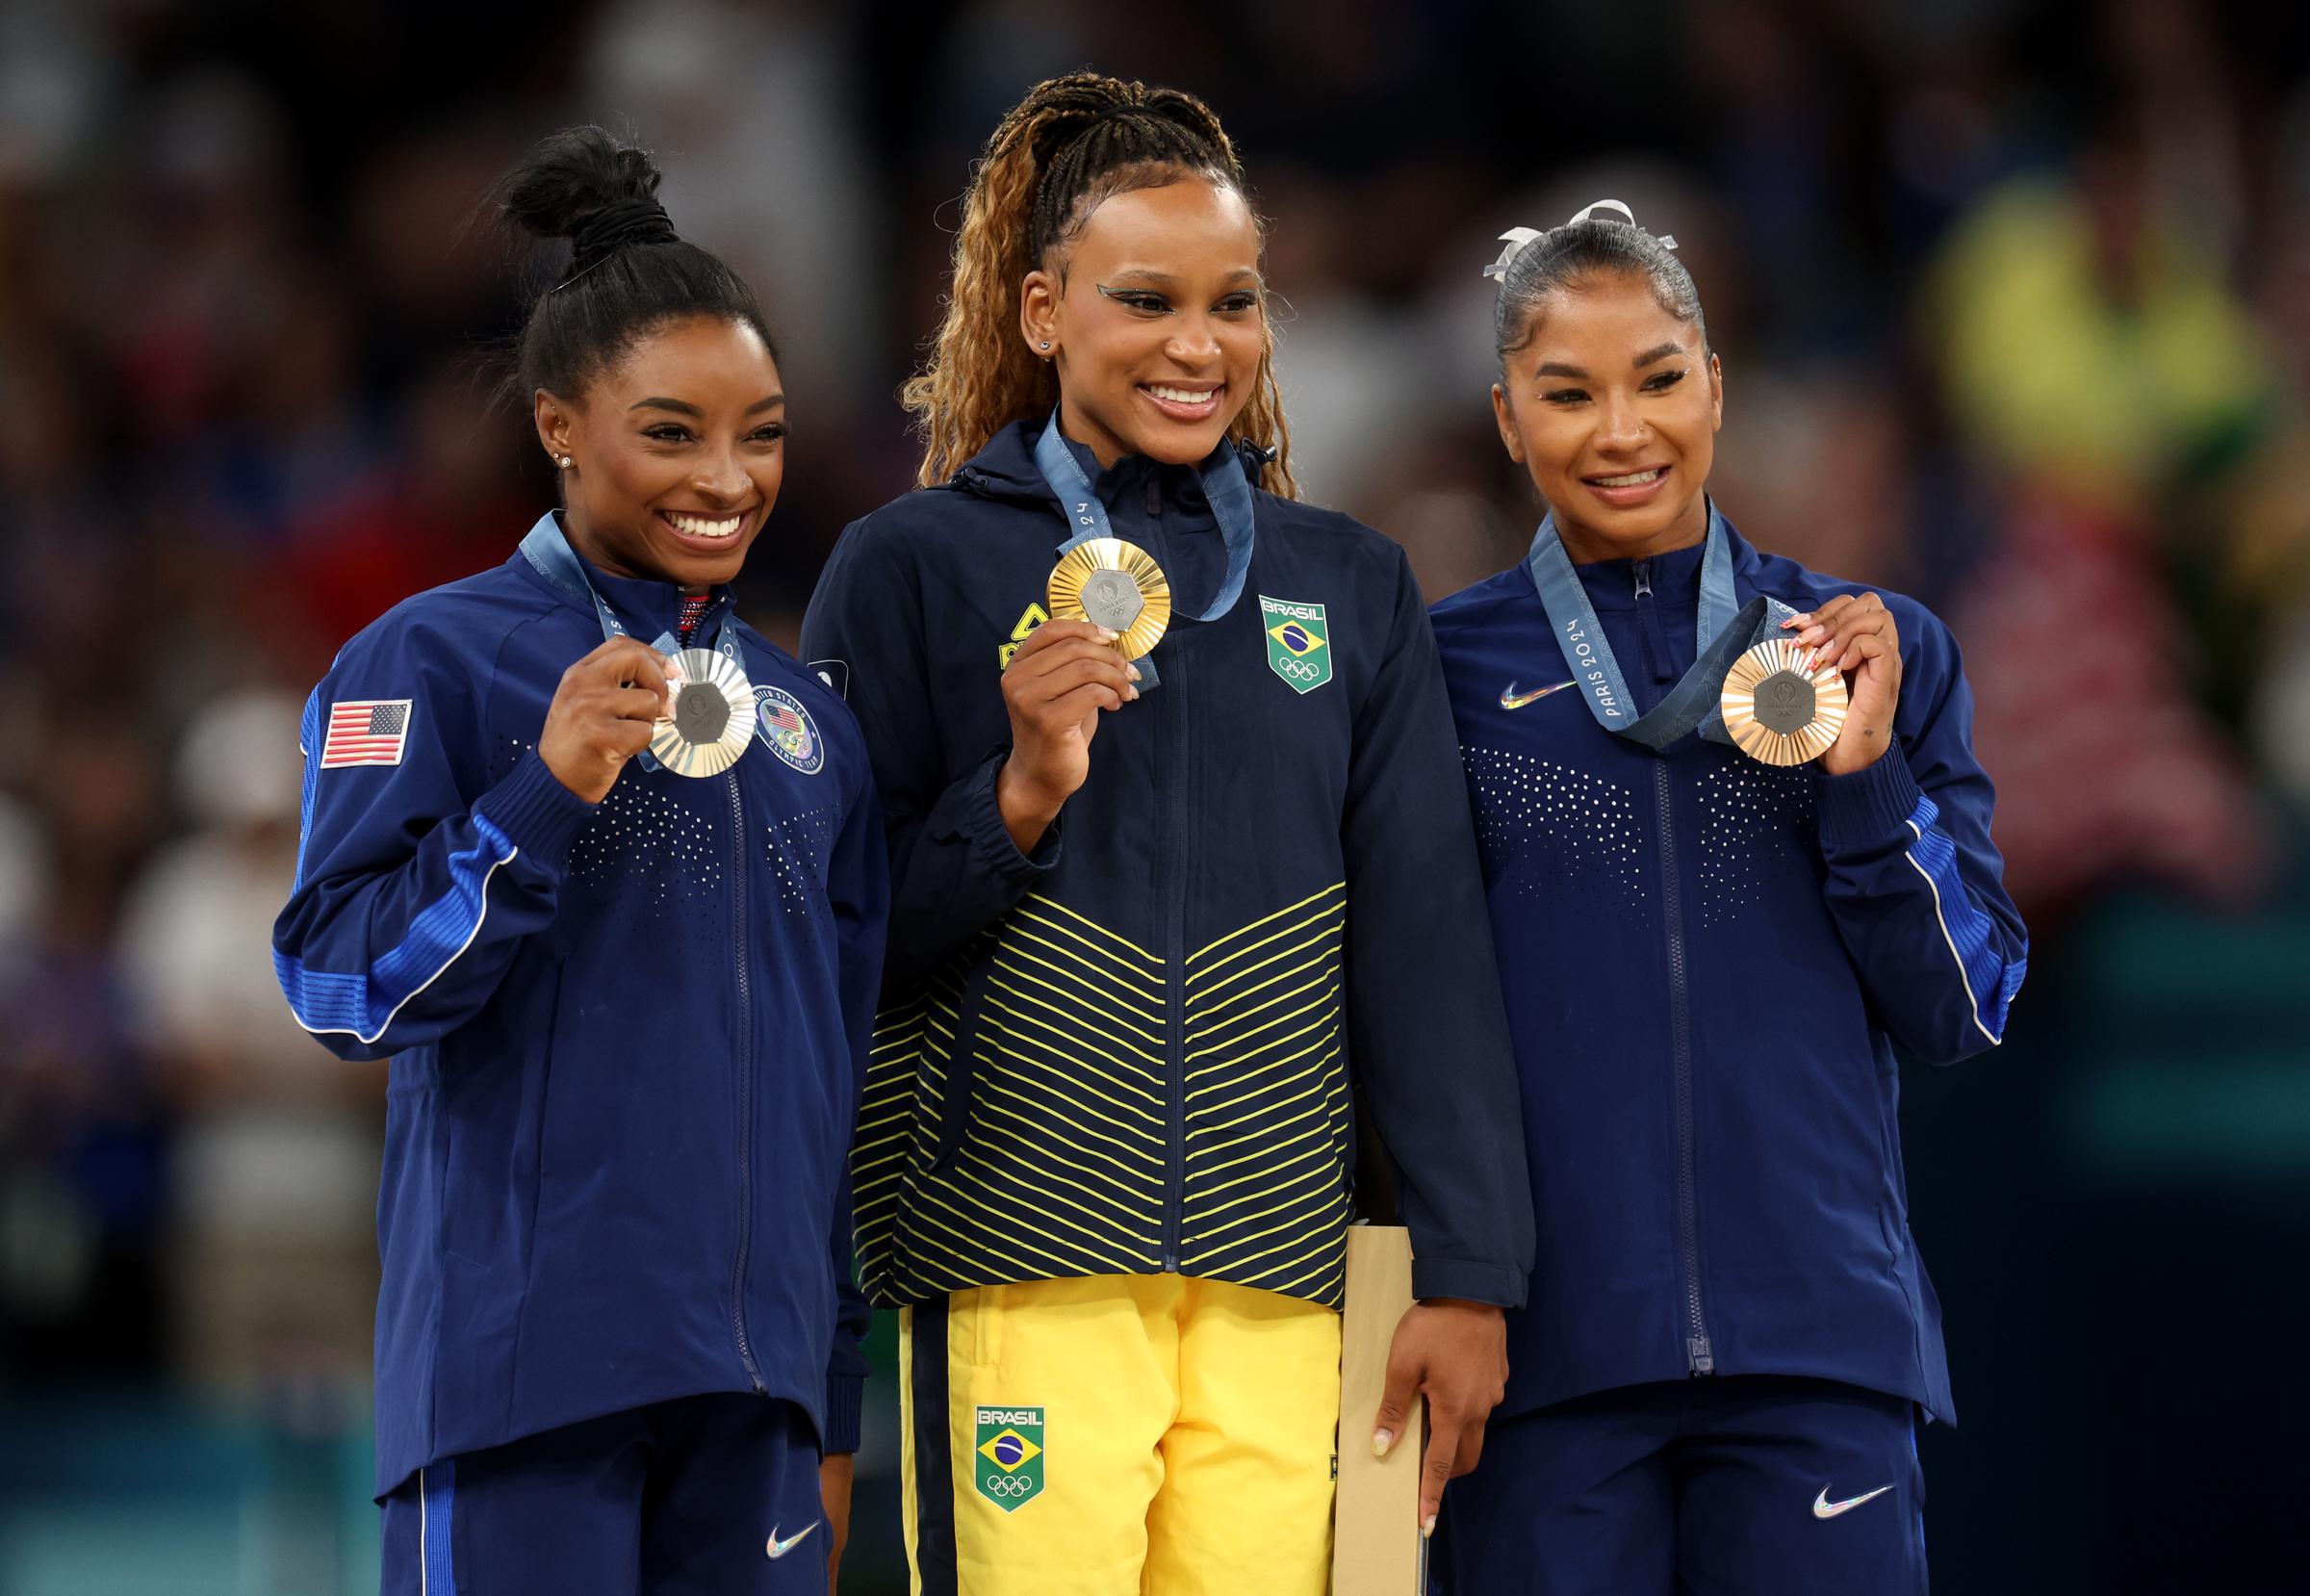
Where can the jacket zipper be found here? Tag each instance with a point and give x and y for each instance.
(1698, 1358)
(1174, 1174)
(744, 1054)
(1648, 617)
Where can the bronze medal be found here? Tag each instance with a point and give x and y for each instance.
(1776, 710)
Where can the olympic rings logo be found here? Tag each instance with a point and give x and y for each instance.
(1299, 670)
(1011, 1484)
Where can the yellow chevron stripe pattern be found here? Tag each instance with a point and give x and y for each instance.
(1266, 1201)
(1018, 1117)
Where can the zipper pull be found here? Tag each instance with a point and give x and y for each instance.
(1154, 495)
(1648, 619)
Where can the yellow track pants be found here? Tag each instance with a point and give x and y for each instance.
(1117, 1435)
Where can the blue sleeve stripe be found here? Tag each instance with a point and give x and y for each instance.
(326, 1002)
(1969, 939)
(436, 1510)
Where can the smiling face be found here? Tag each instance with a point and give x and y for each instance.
(1156, 321)
(1613, 404)
(678, 452)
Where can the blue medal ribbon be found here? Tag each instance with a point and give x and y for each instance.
(547, 547)
(1726, 629)
(1226, 486)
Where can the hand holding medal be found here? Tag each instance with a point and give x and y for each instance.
(1856, 636)
(1053, 690)
(603, 714)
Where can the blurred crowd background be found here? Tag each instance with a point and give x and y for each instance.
(2014, 304)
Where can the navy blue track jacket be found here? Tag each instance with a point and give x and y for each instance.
(1131, 1051)
(1710, 963)
(628, 1039)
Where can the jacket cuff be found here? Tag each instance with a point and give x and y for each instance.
(991, 840)
(1869, 807)
(845, 1404)
(1500, 1284)
(531, 806)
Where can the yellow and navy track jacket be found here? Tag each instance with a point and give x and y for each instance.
(1139, 1048)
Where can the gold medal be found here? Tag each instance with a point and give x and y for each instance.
(1117, 585)
(1776, 709)
(709, 718)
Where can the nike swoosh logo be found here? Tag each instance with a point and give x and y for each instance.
(1511, 699)
(1822, 1507)
(780, 1548)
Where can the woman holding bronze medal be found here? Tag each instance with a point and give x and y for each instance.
(1737, 851)
(615, 909)
(1178, 831)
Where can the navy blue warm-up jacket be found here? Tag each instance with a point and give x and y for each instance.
(628, 1039)
(1710, 963)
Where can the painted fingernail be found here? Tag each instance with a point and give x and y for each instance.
(1132, 697)
(1427, 1526)
(1381, 1440)
(1132, 671)
(1108, 634)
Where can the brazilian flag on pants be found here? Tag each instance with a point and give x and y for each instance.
(1009, 1455)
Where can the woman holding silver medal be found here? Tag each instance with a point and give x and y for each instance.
(1179, 836)
(1737, 852)
(615, 908)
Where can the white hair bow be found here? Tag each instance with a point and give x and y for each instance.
(1516, 237)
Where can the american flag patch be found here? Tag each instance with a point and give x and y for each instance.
(369, 731)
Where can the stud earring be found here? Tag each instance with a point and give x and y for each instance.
(1046, 344)
(563, 460)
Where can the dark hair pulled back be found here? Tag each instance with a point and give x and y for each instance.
(628, 273)
(1556, 259)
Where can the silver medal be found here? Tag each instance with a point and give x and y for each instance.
(709, 715)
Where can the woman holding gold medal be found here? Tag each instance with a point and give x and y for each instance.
(1179, 840)
(1737, 851)
(615, 909)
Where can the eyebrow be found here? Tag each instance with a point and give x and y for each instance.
(1557, 368)
(1163, 279)
(683, 408)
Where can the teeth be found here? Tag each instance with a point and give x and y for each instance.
(699, 525)
(1636, 480)
(1184, 395)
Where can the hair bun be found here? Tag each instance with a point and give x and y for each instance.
(617, 224)
(571, 183)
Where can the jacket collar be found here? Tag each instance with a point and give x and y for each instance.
(648, 607)
(1675, 578)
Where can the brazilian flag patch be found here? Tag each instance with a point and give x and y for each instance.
(1299, 642)
(1008, 1458)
